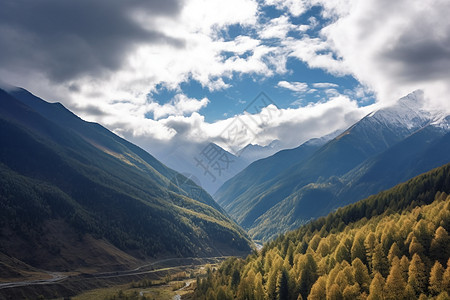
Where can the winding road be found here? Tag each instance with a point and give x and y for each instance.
(59, 277)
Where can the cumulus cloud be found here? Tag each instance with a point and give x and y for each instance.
(98, 51)
(391, 47)
(294, 86)
(103, 57)
(278, 28)
(324, 85)
(65, 40)
(295, 7)
(292, 126)
(180, 105)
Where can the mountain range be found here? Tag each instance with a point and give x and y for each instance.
(293, 186)
(392, 245)
(209, 165)
(75, 196)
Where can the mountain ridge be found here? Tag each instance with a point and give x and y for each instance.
(325, 176)
(100, 189)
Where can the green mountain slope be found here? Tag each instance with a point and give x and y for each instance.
(240, 190)
(393, 245)
(335, 158)
(384, 148)
(68, 183)
(426, 149)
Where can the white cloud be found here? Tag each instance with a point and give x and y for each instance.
(278, 28)
(294, 86)
(292, 126)
(295, 7)
(391, 47)
(180, 105)
(324, 85)
(316, 53)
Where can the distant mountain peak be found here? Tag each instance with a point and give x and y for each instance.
(408, 112)
(442, 121)
(413, 100)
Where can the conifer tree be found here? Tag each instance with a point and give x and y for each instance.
(308, 275)
(417, 275)
(404, 266)
(436, 278)
(394, 251)
(395, 284)
(318, 290)
(259, 289)
(379, 260)
(334, 292)
(446, 278)
(440, 245)
(282, 289)
(376, 288)
(369, 245)
(410, 294)
(358, 250)
(271, 284)
(342, 253)
(351, 292)
(361, 274)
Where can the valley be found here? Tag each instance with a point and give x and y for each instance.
(224, 150)
(156, 278)
(294, 186)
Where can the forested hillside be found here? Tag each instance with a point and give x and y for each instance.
(387, 147)
(393, 245)
(73, 195)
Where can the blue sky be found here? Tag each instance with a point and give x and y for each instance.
(245, 87)
(177, 73)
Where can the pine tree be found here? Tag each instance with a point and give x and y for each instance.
(369, 245)
(318, 290)
(342, 253)
(436, 278)
(235, 279)
(351, 292)
(404, 265)
(394, 251)
(324, 248)
(282, 289)
(246, 287)
(417, 275)
(223, 294)
(395, 284)
(259, 289)
(440, 249)
(334, 292)
(446, 278)
(379, 261)
(415, 247)
(410, 294)
(376, 288)
(271, 284)
(358, 250)
(361, 274)
(308, 275)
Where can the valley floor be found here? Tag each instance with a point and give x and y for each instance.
(168, 278)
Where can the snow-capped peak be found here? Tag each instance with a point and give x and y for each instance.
(406, 112)
(441, 121)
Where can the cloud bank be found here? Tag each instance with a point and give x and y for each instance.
(104, 59)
